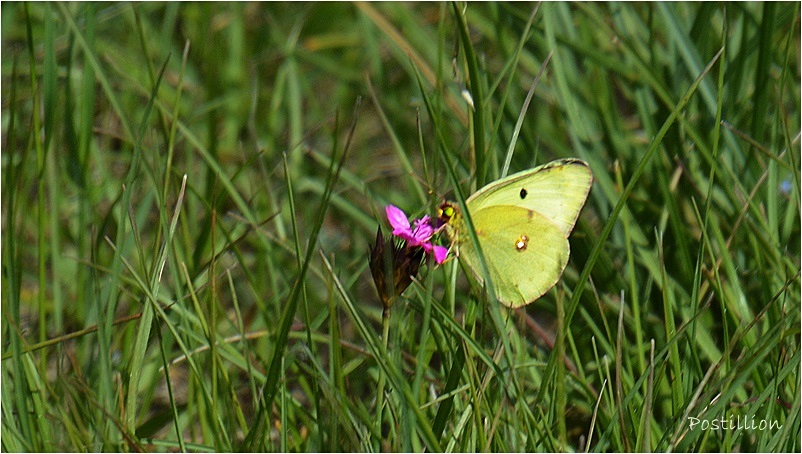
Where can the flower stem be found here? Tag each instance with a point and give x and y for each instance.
(382, 378)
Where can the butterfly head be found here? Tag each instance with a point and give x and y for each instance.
(447, 212)
(448, 219)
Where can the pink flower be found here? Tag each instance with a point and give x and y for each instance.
(420, 236)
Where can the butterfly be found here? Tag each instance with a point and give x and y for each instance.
(522, 223)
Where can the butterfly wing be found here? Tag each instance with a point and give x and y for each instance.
(556, 190)
(522, 223)
(525, 252)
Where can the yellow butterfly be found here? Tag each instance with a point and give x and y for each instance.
(522, 223)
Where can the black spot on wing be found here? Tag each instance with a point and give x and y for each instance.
(523, 193)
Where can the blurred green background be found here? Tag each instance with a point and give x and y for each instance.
(234, 310)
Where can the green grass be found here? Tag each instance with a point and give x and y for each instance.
(189, 192)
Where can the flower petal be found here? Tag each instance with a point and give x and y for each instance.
(398, 221)
(440, 254)
(423, 230)
(422, 233)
